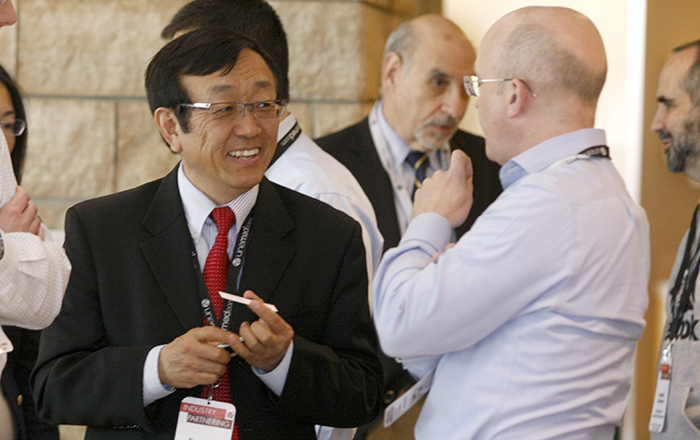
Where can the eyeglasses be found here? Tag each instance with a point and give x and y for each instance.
(13, 128)
(233, 111)
(472, 85)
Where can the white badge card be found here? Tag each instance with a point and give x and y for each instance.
(202, 419)
(663, 384)
(408, 399)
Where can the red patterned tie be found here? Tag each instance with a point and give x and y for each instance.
(216, 277)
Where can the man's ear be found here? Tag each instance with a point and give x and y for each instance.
(392, 67)
(169, 127)
(519, 97)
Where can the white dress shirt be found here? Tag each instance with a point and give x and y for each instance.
(33, 272)
(531, 321)
(307, 169)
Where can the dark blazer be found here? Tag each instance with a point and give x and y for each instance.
(15, 386)
(135, 285)
(354, 148)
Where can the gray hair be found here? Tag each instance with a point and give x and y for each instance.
(403, 42)
(531, 52)
(691, 82)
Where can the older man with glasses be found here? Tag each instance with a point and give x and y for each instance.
(528, 325)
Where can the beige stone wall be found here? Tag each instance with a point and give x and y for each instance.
(81, 63)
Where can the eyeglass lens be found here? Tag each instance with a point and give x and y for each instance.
(233, 111)
(15, 128)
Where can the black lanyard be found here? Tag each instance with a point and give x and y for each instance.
(597, 151)
(284, 143)
(685, 281)
(237, 263)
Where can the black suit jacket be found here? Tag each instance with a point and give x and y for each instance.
(134, 286)
(354, 148)
(15, 386)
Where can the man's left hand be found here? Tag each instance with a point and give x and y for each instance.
(448, 193)
(266, 340)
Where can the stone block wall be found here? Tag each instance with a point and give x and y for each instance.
(81, 64)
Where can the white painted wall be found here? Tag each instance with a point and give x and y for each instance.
(622, 24)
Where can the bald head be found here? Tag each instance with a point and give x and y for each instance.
(424, 63)
(427, 28)
(556, 50)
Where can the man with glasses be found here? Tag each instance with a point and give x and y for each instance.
(527, 325)
(298, 163)
(33, 269)
(144, 329)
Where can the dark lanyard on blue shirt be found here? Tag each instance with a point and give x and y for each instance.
(284, 143)
(237, 263)
(597, 151)
(685, 281)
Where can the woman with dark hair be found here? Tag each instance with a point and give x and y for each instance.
(14, 382)
(12, 121)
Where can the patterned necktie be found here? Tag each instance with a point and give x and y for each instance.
(216, 277)
(419, 162)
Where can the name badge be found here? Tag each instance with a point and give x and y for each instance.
(408, 399)
(202, 419)
(663, 384)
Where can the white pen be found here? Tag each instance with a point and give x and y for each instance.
(241, 300)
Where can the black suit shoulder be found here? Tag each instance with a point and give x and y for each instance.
(354, 148)
(304, 208)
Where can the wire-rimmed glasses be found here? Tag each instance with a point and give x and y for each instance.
(472, 84)
(14, 127)
(233, 111)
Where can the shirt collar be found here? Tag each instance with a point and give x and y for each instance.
(398, 147)
(198, 206)
(286, 124)
(539, 157)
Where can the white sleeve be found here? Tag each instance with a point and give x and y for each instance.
(33, 277)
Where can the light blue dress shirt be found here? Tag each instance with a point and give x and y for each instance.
(531, 321)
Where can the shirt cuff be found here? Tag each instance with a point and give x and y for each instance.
(153, 388)
(429, 227)
(276, 378)
(10, 258)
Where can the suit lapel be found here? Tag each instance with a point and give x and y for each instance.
(376, 183)
(269, 249)
(171, 255)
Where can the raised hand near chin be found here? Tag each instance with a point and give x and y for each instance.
(448, 193)
(21, 215)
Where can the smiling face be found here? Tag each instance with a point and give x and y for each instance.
(424, 99)
(677, 120)
(225, 159)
